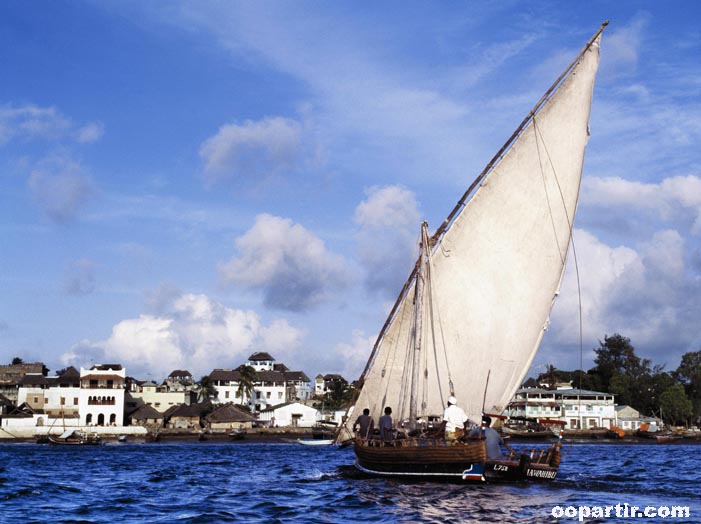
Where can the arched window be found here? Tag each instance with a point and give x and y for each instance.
(88, 419)
(101, 419)
(113, 419)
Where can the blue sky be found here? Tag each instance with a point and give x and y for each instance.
(185, 183)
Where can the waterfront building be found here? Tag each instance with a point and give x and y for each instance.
(160, 397)
(11, 374)
(273, 384)
(101, 395)
(54, 396)
(290, 414)
(629, 419)
(227, 417)
(578, 408)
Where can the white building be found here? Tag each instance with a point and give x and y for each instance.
(274, 384)
(160, 398)
(101, 395)
(54, 396)
(629, 419)
(578, 408)
(292, 414)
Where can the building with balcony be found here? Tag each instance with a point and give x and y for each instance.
(101, 395)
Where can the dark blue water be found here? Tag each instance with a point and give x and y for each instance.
(281, 482)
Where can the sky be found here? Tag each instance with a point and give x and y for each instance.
(186, 183)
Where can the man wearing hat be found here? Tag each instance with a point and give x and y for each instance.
(455, 419)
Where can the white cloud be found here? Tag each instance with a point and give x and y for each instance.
(389, 227)
(288, 263)
(646, 293)
(195, 333)
(675, 198)
(60, 188)
(252, 150)
(32, 122)
(90, 133)
(354, 355)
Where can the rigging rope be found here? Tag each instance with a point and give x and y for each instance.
(571, 238)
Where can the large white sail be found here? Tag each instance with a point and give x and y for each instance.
(495, 272)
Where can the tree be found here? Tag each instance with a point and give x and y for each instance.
(675, 405)
(621, 372)
(689, 375)
(16, 361)
(247, 380)
(207, 389)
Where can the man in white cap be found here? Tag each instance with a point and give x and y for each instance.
(454, 418)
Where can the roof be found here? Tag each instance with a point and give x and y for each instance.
(36, 379)
(225, 375)
(180, 373)
(106, 367)
(229, 413)
(297, 375)
(191, 411)
(333, 376)
(278, 406)
(146, 411)
(259, 356)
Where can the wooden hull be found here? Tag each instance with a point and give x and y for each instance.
(420, 457)
(431, 459)
(75, 441)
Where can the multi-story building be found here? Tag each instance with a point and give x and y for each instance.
(578, 408)
(161, 397)
(273, 384)
(10, 376)
(101, 395)
(55, 396)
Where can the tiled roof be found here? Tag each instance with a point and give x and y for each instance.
(146, 412)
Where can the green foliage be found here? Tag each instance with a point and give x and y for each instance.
(16, 361)
(675, 405)
(247, 380)
(689, 374)
(207, 389)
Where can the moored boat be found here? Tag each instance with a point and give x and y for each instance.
(73, 437)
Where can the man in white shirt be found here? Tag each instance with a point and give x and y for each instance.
(454, 418)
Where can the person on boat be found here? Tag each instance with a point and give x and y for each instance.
(455, 419)
(385, 426)
(493, 440)
(365, 424)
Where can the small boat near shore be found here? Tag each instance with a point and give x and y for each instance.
(74, 437)
(315, 441)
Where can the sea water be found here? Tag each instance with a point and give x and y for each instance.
(286, 482)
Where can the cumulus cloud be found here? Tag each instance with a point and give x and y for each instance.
(80, 278)
(288, 263)
(60, 188)
(354, 355)
(675, 198)
(646, 292)
(389, 223)
(194, 333)
(254, 150)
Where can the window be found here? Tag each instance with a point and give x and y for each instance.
(257, 395)
(267, 395)
(75, 401)
(279, 394)
(63, 401)
(226, 394)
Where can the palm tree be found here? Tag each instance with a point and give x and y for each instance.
(247, 380)
(207, 389)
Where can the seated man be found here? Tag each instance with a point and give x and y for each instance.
(493, 440)
(385, 426)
